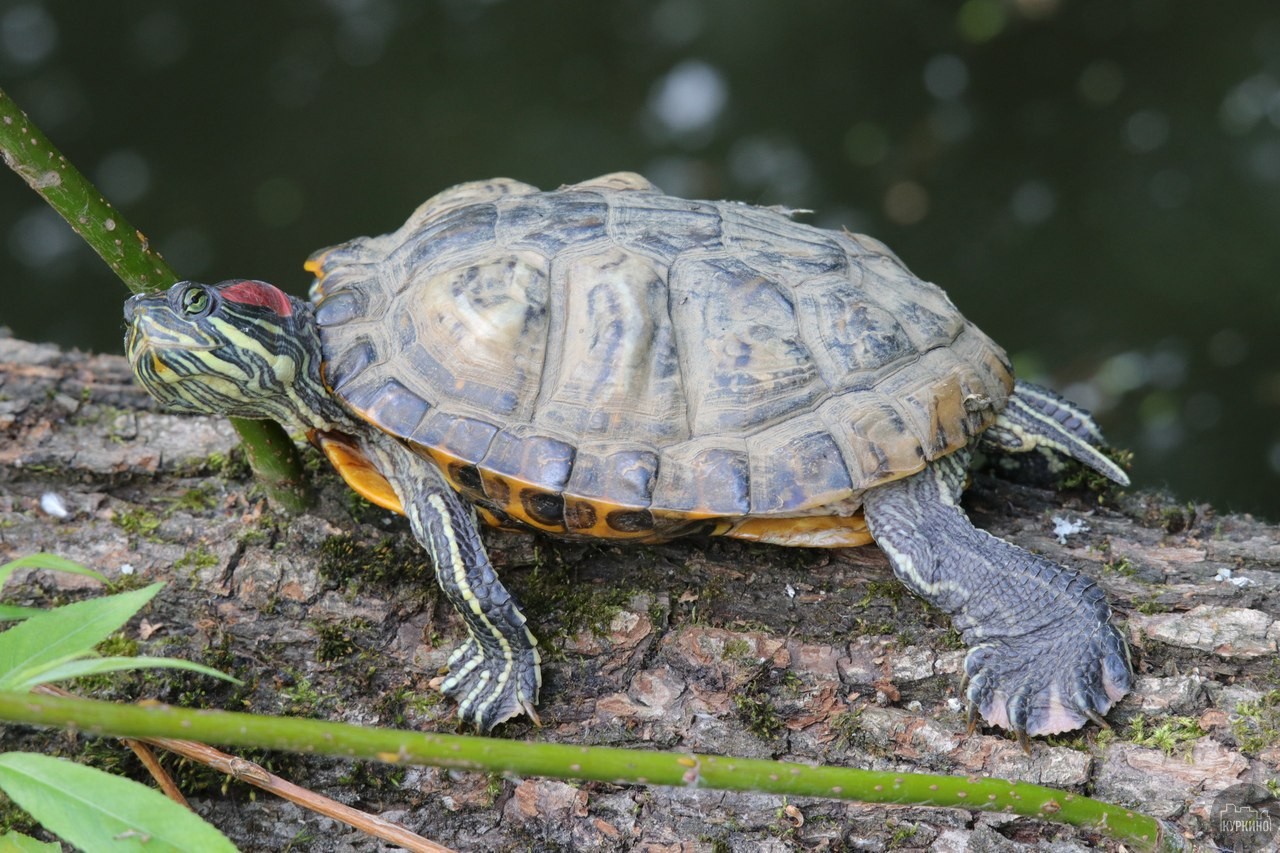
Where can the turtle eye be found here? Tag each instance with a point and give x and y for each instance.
(195, 301)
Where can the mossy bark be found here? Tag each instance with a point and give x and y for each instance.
(713, 646)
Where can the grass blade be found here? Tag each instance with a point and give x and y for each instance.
(47, 561)
(65, 632)
(16, 842)
(98, 666)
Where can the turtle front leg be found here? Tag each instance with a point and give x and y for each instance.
(1044, 656)
(496, 674)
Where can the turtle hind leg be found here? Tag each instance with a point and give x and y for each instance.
(1038, 418)
(1044, 656)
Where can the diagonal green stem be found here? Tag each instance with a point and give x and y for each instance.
(27, 151)
(606, 764)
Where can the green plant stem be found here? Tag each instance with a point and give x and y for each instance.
(27, 151)
(605, 764)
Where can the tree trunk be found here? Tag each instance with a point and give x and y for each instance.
(711, 646)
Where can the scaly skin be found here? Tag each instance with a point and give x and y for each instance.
(1044, 657)
(496, 674)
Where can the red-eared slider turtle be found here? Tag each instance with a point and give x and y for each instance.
(604, 360)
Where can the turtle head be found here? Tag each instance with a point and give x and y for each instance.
(238, 348)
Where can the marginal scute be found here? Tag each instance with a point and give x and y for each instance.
(546, 508)
(351, 364)
(579, 515)
(524, 473)
(465, 439)
(610, 361)
(520, 453)
(467, 477)
(397, 409)
(622, 476)
(796, 466)
(873, 438)
(340, 308)
(631, 520)
(704, 477)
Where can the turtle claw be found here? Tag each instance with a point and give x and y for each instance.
(1035, 686)
(490, 690)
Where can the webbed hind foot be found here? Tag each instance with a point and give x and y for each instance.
(1044, 656)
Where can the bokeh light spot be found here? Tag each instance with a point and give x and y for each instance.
(946, 76)
(28, 33)
(123, 176)
(1146, 130)
(866, 143)
(689, 98)
(906, 203)
(1100, 83)
(1033, 202)
(981, 20)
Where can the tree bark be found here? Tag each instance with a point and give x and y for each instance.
(712, 646)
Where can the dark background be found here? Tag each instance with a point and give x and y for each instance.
(1095, 183)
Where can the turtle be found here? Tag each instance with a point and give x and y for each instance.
(604, 360)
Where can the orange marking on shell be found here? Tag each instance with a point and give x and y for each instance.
(357, 470)
(315, 266)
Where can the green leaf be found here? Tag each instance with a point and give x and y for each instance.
(13, 613)
(64, 633)
(16, 842)
(97, 811)
(97, 666)
(47, 561)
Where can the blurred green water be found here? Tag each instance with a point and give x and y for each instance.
(1096, 183)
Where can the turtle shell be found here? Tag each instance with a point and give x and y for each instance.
(609, 360)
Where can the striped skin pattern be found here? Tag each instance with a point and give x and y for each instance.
(496, 673)
(607, 361)
(246, 349)
(1037, 418)
(221, 350)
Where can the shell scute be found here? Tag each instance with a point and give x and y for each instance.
(458, 437)
(643, 225)
(616, 371)
(752, 367)
(850, 336)
(396, 408)
(796, 465)
(549, 225)
(622, 476)
(459, 234)
(524, 474)
(704, 477)
(479, 331)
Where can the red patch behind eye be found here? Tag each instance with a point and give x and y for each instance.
(258, 293)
